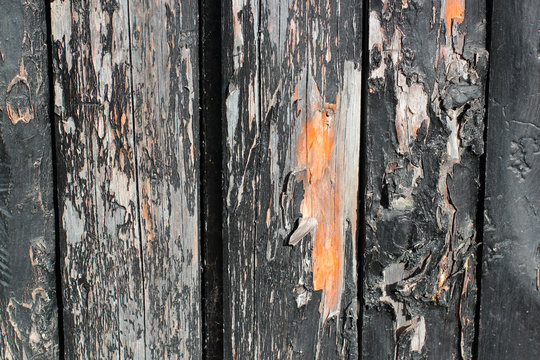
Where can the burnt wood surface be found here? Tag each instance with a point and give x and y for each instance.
(28, 306)
(510, 283)
(269, 179)
(292, 87)
(126, 104)
(425, 116)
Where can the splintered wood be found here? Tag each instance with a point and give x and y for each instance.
(425, 120)
(292, 152)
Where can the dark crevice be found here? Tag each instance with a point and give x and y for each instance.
(482, 189)
(211, 202)
(363, 171)
(136, 160)
(57, 253)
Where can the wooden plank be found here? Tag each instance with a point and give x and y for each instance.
(510, 283)
(28, 311)
(99, 231)
(291, 78)
(425, 111)
(166, 92)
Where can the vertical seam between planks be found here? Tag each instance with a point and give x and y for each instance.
(56, 205)
(135, 157)
(211, 155)
(363, 171)
(210, 182)
(482, 186)
(202, 190)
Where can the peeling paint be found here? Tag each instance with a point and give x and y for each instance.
(324, 146)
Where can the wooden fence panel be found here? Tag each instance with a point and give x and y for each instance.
(292, 83)
(353, 179)
(510, 297)
(28, 306)
(128, 177)
(425, 111)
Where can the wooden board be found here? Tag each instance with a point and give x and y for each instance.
(28, 306)
(510, 283)
(127, 111)
(425, 111)
(165, 55)
(291, 78)
(102, 281)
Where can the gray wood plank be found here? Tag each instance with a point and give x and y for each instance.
(292, 85)
(166, 103)
(425, 111)
(510, 283)
(99, 231)
(28, 311)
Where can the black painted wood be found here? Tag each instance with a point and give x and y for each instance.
(28, 311)
(510, 283)
(425, 112)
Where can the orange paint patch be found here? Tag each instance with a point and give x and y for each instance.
(295, 100)
(454, 10)
(323, 201)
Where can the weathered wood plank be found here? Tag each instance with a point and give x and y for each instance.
(99, 231)
(292, 109)
(425, 111)
(166, 91)
(510, 283)
(28, 312)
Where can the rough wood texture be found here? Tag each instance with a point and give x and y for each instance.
(128, 193)
(292, 108)
(28, 311)
(166, 92)
(425, 111)
(510, 297)
(99, 232)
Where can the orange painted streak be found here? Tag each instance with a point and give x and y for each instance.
(454, 10)
(295, 100)
(322, 201)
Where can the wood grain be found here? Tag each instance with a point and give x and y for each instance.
(425, 112)
(126, 99)
(292, 109)
(166, 91)
(510, 297)
(99, 234)
(28, 308)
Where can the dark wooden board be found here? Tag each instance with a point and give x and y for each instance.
(292, 78)
(425, 111)
(126, 104)
(510, 283)
(28, 310)
(164, 38)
